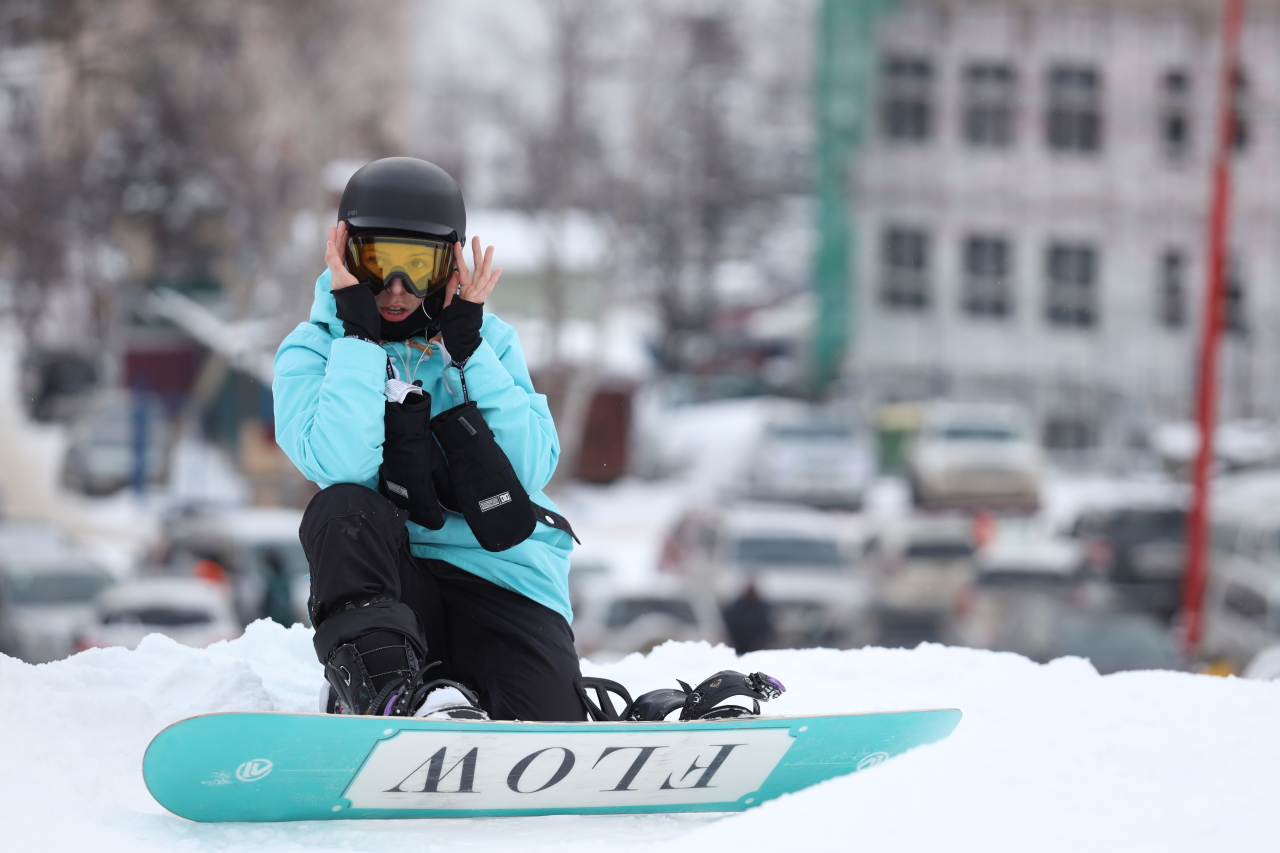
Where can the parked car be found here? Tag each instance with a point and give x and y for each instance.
(193, 612)
(1265, 665)
(257, 552)
(1044, 611)
(920, 564)
(975, 455)
(820, 463)
(1242, 601)
(799, 560)
(1141, 550)
(611, 622)
(1017, 586)
(44, 599)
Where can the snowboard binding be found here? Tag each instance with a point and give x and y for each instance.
(704, 702)
(401, 690)
(443, 699)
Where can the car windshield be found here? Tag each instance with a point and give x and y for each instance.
(54, 585)
(978, 432)
(939, 550)
(798, 551)
(161, 616)
(1012, 578)
(1147, 525)
(624, 611)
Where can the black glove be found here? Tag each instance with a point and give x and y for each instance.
(460, 325)
(414, 475)
(358, 311)
(484, 485)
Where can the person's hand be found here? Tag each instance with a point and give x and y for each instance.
(340, 276)
(469, 286)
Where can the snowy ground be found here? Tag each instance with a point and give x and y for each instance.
(1047, 758)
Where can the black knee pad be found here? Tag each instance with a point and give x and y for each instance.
(344, 499)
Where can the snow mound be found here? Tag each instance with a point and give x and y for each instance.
(1047, 758)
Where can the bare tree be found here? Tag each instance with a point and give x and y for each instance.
(188, 135)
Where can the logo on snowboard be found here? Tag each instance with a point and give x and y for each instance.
(872, 760)
(253, 769)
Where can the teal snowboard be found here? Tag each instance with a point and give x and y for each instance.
(271, 767)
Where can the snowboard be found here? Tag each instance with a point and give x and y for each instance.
(279, 767)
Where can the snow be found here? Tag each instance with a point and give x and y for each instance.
(1047, 758)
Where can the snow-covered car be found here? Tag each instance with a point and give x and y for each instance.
(258, 552)
(799, 560)
(975, 455)
(611, 622)
(821, 463)
(191, 611)
(45, 597)
(920, 564)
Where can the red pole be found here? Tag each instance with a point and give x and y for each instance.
(1194, 581)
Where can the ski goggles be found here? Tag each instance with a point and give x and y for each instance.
(423, 264)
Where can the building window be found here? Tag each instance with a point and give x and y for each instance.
(906, 99)
(1175, 115)
(1243, 105)
(1073, 290)
(905, 281)
(1172, 295)
(989, 91)
(986, 276)
(1075, 109)
(1233, 312)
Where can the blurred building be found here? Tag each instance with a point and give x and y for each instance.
(1032, 208)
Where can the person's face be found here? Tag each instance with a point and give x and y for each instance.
(395, 303)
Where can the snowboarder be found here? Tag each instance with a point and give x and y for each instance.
(438, 588)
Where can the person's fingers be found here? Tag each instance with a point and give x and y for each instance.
(488, 262)
(450, 289)
(460, 264)
(476, 257)
(493, 280)
(330, 250)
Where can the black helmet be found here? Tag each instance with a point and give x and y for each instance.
(404, 194)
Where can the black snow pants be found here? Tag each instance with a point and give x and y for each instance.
(517, 654)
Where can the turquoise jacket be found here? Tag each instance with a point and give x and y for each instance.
(329, 403)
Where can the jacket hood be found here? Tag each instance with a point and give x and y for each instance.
(323, 307)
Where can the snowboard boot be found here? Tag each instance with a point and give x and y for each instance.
(707, 700)
(377, 674)
(443, 699)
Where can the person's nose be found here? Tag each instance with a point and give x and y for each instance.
(396, 286)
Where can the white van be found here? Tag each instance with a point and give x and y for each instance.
(1242, 602)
